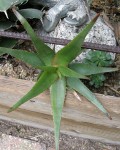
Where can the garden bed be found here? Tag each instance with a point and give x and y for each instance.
(79, 118)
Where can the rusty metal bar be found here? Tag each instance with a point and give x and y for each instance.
(58, 41)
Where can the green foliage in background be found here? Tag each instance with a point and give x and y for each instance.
(6, 4)
(10, 20)
(100, 59)
(58, 71)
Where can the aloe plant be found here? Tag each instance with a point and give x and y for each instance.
(58, 71)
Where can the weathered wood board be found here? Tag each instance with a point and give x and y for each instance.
(79, 118)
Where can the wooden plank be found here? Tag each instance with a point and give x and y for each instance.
(79, 118)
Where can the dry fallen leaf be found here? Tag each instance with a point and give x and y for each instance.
(116, 26)
(107, 21)
(76, 95)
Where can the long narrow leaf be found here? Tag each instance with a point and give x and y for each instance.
(1, 53)
(58, 91)
(6, 25)
(77, 85)
(73, 49)
(8, 42)
(43, 83)
(27, 57)
(45, 53)
(6, 4)
(87, 69)
(65, 71)
(31, 13)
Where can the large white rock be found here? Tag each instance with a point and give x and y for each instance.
(100, 32)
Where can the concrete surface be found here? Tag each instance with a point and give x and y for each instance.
(8, 142)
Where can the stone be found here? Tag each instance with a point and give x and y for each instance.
(100, 33)
(65, 20)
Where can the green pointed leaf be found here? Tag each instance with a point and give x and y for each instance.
(77, 85)
(58, 91)
(27, 57)
(4, 25)
(8, 42)
(6, 4)
(43, 83)
(44, 52)
(65, 71)
(87, 69)
(73, 49)
(1, 53)
(31, 13)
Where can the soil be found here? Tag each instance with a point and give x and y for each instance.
(46, 137)
(12, 67)
(110, 7)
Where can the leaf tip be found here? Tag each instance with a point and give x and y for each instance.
(18, 15)
(14, 10)
(96, 17)
(10, 110)
(108, 115)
